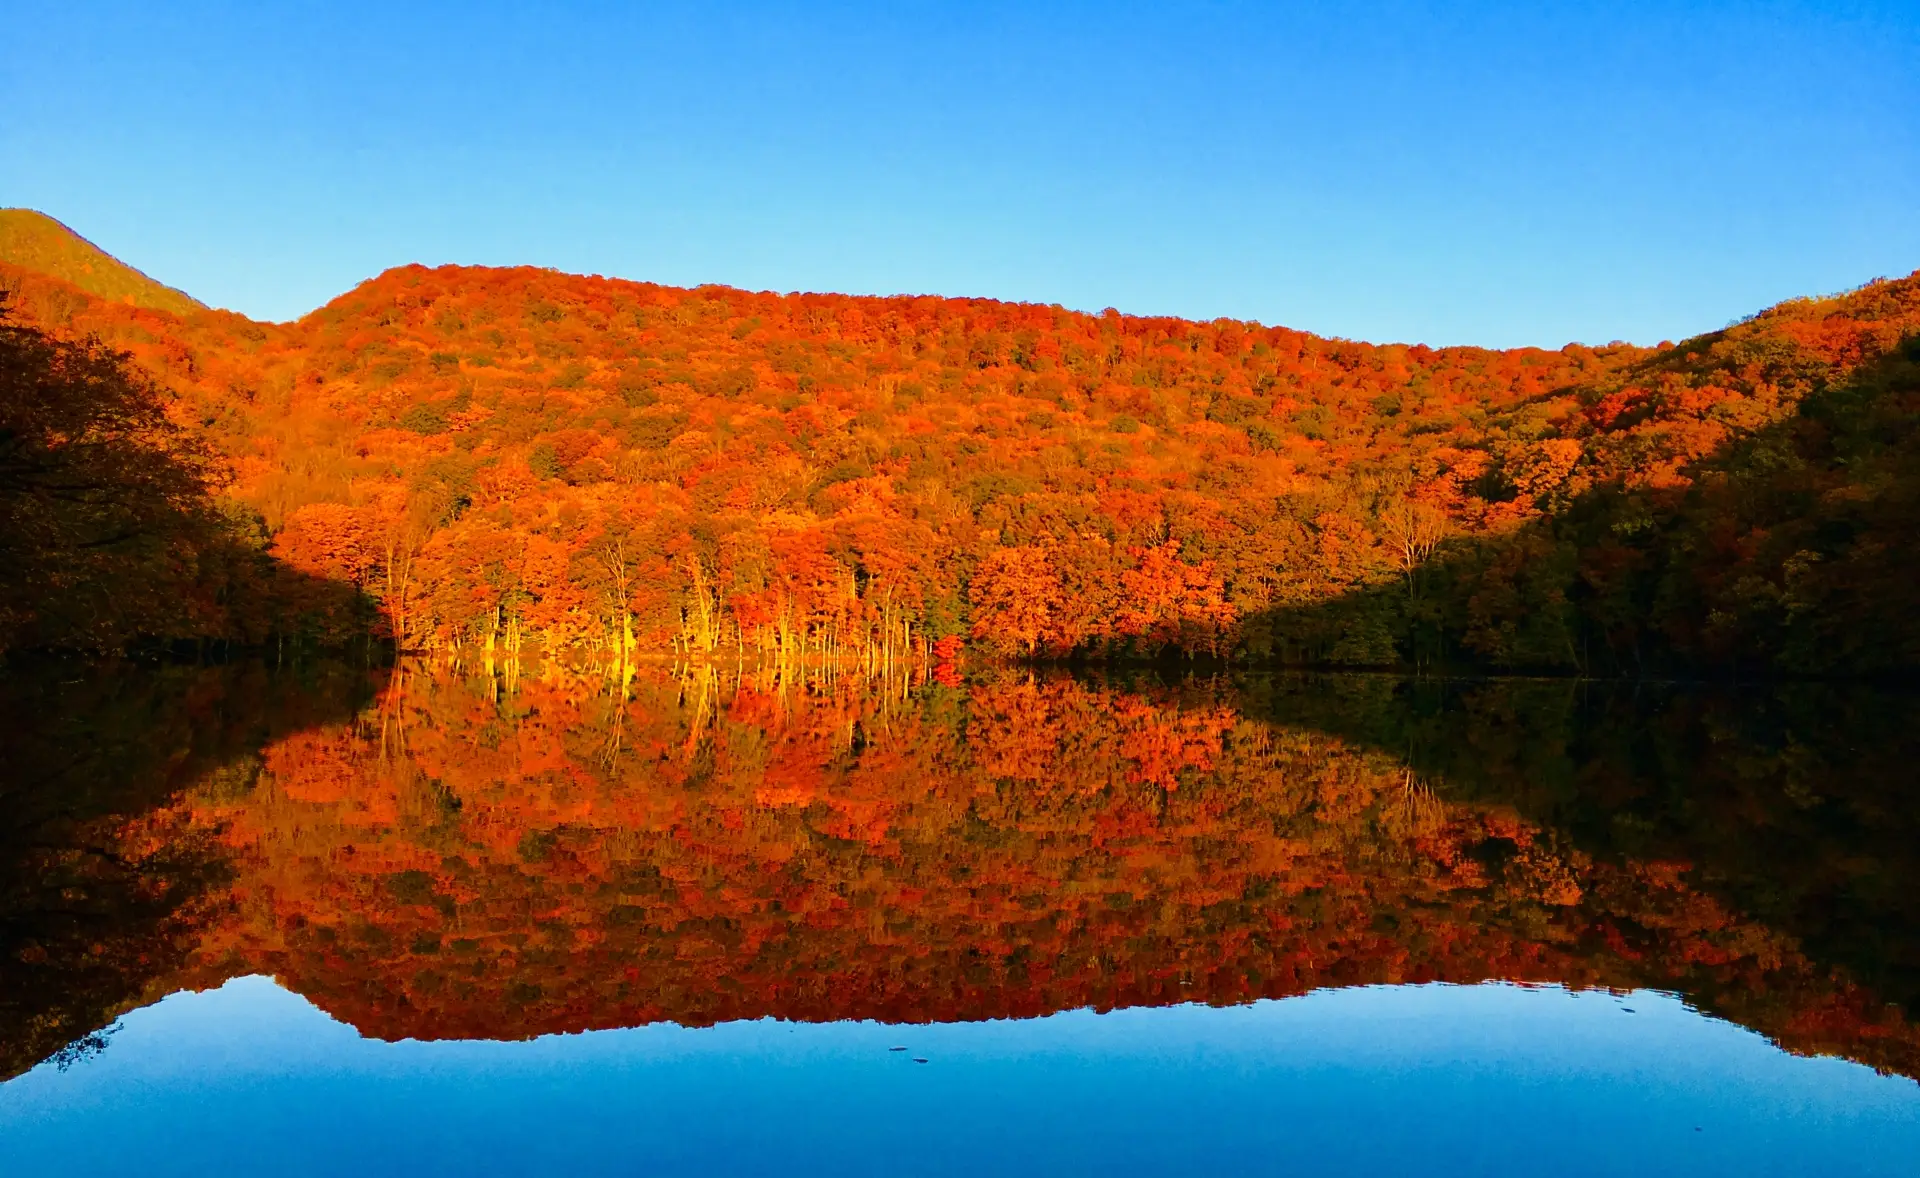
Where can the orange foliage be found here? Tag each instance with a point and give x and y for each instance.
(850, 477)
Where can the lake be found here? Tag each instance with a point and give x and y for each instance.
(527, 919)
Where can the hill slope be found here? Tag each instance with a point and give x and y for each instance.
(509, 456)
(37, 242)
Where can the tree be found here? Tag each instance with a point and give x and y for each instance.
(1015, 593)
(1412, 528)
(105, 502)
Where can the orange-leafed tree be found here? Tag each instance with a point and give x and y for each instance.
(1015, 595)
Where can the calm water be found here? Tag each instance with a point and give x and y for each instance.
(543, 919)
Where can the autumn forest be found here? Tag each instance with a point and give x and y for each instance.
(466, 460)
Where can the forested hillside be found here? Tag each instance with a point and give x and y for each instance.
(511, 457)
(37, 242)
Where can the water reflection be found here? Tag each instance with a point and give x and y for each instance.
(468, 854)
(107, 876)
(1375, 1079)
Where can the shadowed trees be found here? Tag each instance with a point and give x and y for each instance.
(110, 530)
(1787, 550)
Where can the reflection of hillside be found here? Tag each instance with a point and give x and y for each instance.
(104, 882)
(1793, 805)
(467, 862)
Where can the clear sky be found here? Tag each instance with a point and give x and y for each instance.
(1524, 174)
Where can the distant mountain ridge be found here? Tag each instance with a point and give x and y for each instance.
(34, 241)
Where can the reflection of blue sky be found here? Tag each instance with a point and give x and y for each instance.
(1434, 1079)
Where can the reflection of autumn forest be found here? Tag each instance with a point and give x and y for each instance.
(105, 880)
(499, 459)
(526, 849)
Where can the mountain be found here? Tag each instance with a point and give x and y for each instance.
(37, 242)
(509, 458)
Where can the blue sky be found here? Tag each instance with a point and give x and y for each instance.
(1502, 175)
